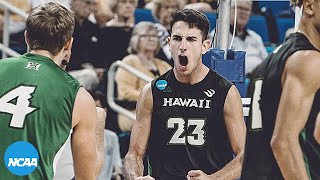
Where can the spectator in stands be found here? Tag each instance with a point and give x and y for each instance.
(246, 39)
(144, 45)
(17, 25)
(102, 13)
(118, 30)
(202, 6)
(162, 11)
(85, 47)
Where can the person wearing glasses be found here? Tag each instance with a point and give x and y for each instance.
(144, 45)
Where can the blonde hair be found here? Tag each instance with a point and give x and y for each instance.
(159, 3)
(247, 1)
(139, 28)
(113, 4)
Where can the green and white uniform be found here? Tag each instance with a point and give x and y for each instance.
(36, 104)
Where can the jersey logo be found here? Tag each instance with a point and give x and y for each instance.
(21, 158)
(161, 84)
(33, 66)
(209, 92)
(186, 102)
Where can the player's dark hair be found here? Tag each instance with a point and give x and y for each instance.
(195, 19)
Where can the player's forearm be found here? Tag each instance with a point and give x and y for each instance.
(101, 115)
(230, 171)
(133, 167)
(289, 156)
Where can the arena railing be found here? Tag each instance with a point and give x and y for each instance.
(119, 109)
(8, 10)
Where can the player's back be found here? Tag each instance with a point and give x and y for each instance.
(36, 105)
(188, 130)
(259, 162)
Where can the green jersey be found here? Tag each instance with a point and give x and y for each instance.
(36, 104)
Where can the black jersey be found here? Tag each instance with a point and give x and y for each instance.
(259, 162)
(188, 129)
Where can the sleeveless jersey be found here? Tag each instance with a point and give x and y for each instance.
(259, 162)
(188, 129)
(44, 95)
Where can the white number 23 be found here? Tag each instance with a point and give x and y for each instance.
(195, 138)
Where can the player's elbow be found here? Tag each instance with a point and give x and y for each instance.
(279, 145)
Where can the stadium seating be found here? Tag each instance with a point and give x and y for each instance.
(259, 25)
(276, 7)
(212, 18)
(283, 24)
(143, 15)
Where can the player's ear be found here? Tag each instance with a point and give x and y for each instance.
(68, 45)
(205, 46)
(309, 7)
(26, 37)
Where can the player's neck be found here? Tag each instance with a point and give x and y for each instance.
(55, 59)
(311, 32)
(196, 76)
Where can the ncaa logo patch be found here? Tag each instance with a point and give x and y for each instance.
(161, 84)
(21, 158)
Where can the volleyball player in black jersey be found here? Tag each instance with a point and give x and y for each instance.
(280, 141)
(189, 120)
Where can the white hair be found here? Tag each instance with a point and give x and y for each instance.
(247, 1)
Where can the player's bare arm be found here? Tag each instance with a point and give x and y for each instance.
(101, 120)
(317, 129)
(133, 163)
(84, 144)
(300, 82)
(236, 129)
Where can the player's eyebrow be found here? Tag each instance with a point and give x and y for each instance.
(187, 37)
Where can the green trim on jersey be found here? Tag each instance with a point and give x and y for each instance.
(303, 137)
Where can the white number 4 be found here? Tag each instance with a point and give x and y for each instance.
(21, 108)
(197, 140)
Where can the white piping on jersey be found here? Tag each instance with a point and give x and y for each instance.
(57, 157)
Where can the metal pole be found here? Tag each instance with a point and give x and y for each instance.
(223, 26)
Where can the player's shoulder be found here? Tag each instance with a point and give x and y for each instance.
(304, 61)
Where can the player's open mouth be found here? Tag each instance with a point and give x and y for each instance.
(183, 60)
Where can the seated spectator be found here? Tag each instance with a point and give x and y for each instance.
(144, 45)
(200, 6)
(85, 48)
(116, 34)
(102, 13)
(246, 39)
(162, 11)
(17, 25)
